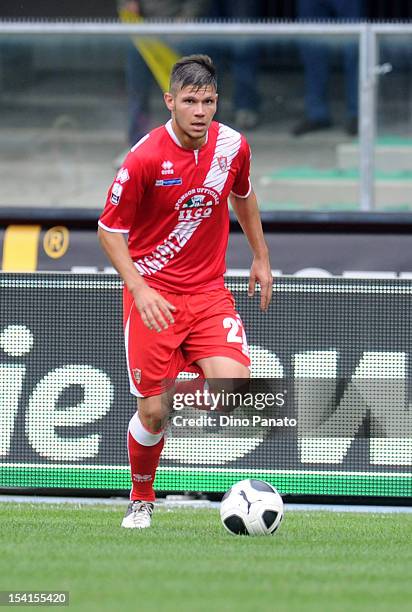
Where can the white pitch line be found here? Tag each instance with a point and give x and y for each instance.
(198, 503)
(348, 508)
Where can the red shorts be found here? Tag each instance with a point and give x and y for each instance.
(206, 325)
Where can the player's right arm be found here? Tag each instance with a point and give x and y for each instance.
(123, 198)
(155, 311)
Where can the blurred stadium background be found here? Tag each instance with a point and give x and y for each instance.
(336, 208)
(334, 204)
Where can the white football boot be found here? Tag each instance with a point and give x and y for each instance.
(138, 515)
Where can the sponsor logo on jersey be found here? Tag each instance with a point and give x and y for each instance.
(197, 197)
(195, 202)
(137, 375)
(167, 167)
(222, 161)
(116, 193)
(168, 182)
(122, 176)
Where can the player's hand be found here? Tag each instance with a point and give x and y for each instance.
(261, 273)
(156, 312)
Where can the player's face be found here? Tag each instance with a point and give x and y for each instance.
(192, 112)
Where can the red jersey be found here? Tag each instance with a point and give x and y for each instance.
(172, 202)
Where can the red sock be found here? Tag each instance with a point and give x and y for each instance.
(144, 450)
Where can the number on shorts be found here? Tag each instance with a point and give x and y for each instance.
(235, 326)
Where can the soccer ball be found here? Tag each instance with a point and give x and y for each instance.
(251, 507)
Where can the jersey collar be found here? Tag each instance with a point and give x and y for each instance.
(175, 139)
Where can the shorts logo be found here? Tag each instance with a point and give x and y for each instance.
(167, 167)
(116, 193)
(122, 176)
(137, 375)
(222, 161)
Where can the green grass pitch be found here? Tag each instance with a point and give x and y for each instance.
(317, 561)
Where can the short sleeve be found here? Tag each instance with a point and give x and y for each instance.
(242, 185)
(123, 197)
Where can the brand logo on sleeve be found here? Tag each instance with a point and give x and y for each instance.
(116, 193)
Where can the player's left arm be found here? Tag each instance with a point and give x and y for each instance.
(247, 212)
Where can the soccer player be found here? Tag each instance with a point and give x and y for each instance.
(170, 198)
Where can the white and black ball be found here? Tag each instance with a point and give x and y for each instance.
(251, 507)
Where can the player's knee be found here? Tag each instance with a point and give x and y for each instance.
(152, 422)
(151, 414)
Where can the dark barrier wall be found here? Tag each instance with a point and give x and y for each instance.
(291, 253)
(335, 351)
(300, 243)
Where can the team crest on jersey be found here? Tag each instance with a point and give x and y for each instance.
(222, 161)
(122, 176)
(137, 375)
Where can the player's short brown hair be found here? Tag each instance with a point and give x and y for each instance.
(195, 70)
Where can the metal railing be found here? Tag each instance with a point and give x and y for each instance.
(369, 67)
